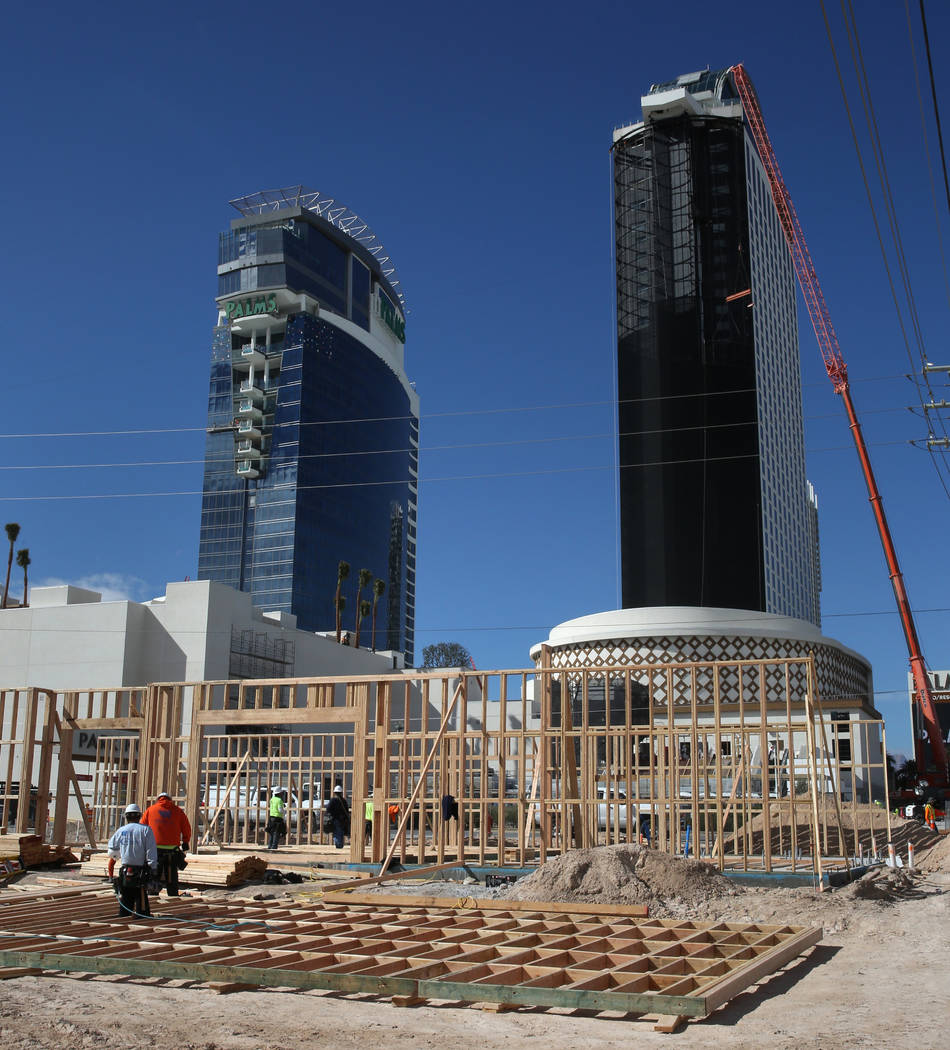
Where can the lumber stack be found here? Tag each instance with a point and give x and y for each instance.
(225, 869)
(222, 869)
(34, 852)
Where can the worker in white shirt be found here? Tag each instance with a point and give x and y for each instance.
(133, 846)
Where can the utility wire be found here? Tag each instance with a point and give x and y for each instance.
(444, 415)
(933, 94)
(401, 418)
(938, 225)
(732, 621)
(291, 488)
(228, 457)
(857, 59)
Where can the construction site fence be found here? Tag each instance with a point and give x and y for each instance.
(737, 762)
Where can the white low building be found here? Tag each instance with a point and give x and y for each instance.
(68, 638)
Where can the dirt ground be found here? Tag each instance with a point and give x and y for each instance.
(877, 980)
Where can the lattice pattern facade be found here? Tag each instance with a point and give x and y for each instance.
(843, 678)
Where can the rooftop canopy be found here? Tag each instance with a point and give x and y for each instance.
(329, 209)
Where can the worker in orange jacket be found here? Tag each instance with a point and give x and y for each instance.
(172, 833)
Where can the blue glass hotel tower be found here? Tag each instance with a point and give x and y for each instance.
(313, 425)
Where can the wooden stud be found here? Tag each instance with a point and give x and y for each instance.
(669, 1023)
(229, 987)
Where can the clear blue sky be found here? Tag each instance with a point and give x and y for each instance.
(474, 139)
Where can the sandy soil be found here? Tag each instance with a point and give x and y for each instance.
(878, 980)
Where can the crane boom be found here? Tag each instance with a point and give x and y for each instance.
(837, 371)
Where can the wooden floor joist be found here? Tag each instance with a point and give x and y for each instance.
(511, 953)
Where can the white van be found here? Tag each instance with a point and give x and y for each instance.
(250, 805)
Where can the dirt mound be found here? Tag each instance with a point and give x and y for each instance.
(882, 884)
(623, 874)
(937, 858)
(864, 826)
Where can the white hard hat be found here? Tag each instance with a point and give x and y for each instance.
(339, 788)
(163, 794)
(133, 808)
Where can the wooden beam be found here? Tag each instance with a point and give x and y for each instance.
(105, 724)
(77, 790)
(63, 776)
(227, 793)
(314, 716)
(737, 774)
(407, 810)
(228, 987)
(532, 799)
(486, 904)
(837, 783)
(8, 973)
(722, 991)
(409, 873)
(569, 781)
(275, 977)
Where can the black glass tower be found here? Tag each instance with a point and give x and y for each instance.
(313, 425)
(715, 509)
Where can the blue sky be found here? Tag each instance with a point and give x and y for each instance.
(475, 142)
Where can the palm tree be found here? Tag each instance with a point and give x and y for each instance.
(365, 577)
(340, 606)
(342, 571)
(378, 587)
(23, 560)
(363, 613)
(13, 530)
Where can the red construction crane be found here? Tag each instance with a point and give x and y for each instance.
(838, 374)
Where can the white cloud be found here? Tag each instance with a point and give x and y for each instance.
(113, 586)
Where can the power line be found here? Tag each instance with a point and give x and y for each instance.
(396, 419)
(877, 151)
(461, 446)
(486, 476)
(481, 628)
(457, 413)
(933, 93)
(938, 225)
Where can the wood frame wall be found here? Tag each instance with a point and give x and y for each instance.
(538, 761)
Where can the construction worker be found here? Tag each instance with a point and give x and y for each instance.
(368, 820)
(172, 836)
(276, 822)
(930, 814)
(133, 846)
(338, 811)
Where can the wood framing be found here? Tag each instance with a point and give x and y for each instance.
(735, 762)
(521, 955)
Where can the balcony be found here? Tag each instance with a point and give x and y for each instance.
(252, 355)
(249, 428)
(248, 450)
(250, 388)
(246, 409)
(246, 469)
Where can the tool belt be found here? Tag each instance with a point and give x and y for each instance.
(134, 876)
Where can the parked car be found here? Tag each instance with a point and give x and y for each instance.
(616, 803)
(251, 805)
